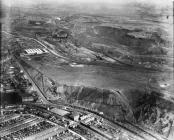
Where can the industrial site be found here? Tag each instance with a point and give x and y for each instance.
(86, 70)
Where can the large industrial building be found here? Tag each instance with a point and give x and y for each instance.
(35, 51)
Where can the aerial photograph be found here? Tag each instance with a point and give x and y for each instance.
(86, 70)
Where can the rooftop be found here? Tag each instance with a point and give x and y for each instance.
(59, 111)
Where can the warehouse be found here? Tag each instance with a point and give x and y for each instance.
(33, 51)
(59, 111)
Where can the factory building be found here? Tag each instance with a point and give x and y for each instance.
(75, 116)
(35, 51)
(86, 116)
(59, 111)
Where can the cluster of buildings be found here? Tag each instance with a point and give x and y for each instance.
(85, 118)
(14, 86)
(36, 121)
(29, 122)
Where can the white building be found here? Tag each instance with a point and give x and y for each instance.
(86, 116)
(34, 51)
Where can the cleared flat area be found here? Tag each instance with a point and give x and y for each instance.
(108, 77)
